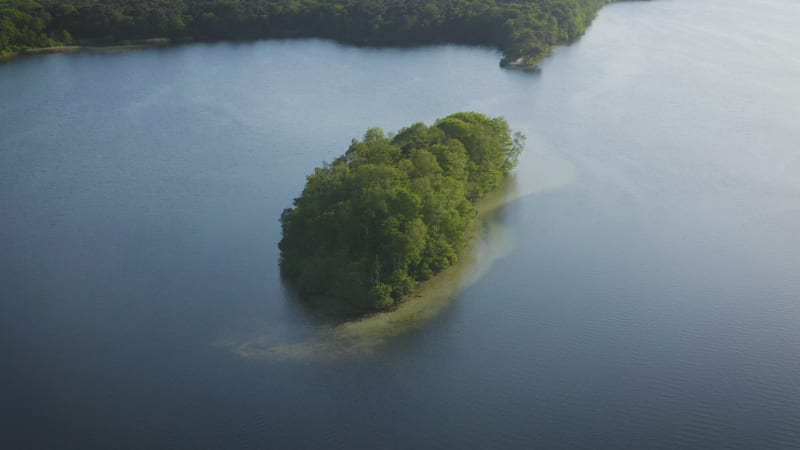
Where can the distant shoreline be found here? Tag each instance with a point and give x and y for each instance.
(117, 46)
(527, 64)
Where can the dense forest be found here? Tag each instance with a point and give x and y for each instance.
(394, 210)
(525, 30)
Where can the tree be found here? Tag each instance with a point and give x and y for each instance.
(390, 213)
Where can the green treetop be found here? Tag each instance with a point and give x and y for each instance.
(393, 211)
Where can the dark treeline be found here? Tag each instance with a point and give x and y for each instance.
(394, 210)
(521, 28)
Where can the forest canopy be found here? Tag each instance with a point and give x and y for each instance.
(394, 209)
(525, 29)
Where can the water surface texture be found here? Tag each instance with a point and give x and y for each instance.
(640, 288)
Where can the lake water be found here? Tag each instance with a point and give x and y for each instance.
(639, 288)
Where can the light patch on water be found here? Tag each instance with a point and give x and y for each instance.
(542, 170)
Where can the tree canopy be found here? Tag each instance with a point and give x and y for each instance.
(394, 210)
(521, 28)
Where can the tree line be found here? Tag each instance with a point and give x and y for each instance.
(394, 209)
(524, 29)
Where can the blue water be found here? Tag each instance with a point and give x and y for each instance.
(649, 296)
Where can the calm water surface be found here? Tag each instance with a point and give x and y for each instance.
(650, 297)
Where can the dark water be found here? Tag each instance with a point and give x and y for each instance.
(649, 295)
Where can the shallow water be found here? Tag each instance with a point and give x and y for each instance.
(645, 294)
(358, 337)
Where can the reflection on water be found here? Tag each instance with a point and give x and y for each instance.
(363, 336)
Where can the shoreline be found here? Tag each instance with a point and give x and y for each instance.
(513, 57)
(523, 63)
(113, 47)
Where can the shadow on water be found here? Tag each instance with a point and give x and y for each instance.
(339, 334)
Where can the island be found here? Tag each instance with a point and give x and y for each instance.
(524, 30)
(394, 210)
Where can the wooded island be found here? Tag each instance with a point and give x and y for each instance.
(525, 30)
(394, 210)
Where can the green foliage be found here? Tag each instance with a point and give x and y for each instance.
(393, 211)
(23, 24)
(521, 28)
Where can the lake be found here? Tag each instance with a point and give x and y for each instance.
(637, 286)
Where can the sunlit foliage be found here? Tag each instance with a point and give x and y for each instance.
(393, 211)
